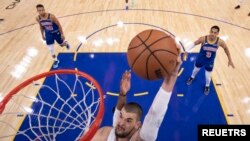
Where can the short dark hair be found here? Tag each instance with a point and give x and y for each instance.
(39, 5)
(135, 108)
(215, 27)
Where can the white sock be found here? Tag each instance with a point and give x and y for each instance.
(51, 49)
(195, 71)
(208, 77)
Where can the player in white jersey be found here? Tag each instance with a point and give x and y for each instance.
(127, 124)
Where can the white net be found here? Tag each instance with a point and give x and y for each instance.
(64, 108)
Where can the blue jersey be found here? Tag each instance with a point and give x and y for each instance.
(207, 55)
(48, 25)
(208, 51)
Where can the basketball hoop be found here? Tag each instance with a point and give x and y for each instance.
(71, 106)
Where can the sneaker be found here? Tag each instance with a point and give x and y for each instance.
(237, 7)
(190, 80)
(207, 90)
(67, 46)
(56, 63)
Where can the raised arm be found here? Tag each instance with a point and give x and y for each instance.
(193, 44)
(125, 84)
(189, 47)
(124, 88)
(157, 111)
(224, 46)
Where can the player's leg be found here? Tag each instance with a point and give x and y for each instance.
(196, 69)
(60, 41)
(208, 80)
(126, 4)
(52, 52)
(50, 45)
(208, 75)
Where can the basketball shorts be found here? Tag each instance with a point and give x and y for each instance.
(209, 65)
(52, 37)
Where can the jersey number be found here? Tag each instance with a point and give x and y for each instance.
(49, 27)
(208, 54)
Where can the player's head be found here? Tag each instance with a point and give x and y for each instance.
(129, 120)
(40, 9)
(214, 31)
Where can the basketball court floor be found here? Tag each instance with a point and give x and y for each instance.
(99, 33)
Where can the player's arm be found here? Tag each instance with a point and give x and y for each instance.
(55, 20)
(224, 46)
(157, 111)
(102, 134)
(125, 84)
(41, 28)
(124, 88)
(193, 44)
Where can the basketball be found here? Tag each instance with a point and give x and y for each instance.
(152, 54)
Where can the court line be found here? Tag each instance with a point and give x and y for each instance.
(112, 94)
(113, 25)
(150, 10)
(224, 109)
(141, 94)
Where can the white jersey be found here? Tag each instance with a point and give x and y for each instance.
(111, 136)
(152, 120)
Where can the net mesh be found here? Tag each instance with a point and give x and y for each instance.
(65, 107)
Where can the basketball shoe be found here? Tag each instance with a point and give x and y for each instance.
(190, 80)
(206, 90)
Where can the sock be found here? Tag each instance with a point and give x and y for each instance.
(51, 49)
(208, 77)
(65, 43)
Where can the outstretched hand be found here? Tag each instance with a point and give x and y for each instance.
(125, 82)
(169, 81)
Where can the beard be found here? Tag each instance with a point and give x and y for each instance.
(122, 134)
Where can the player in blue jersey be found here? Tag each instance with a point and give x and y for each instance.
(51, 31)
(207, 54)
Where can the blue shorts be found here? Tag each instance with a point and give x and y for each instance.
(51, 37)
(209, 65)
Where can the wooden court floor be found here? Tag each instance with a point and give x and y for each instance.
(188, 20)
